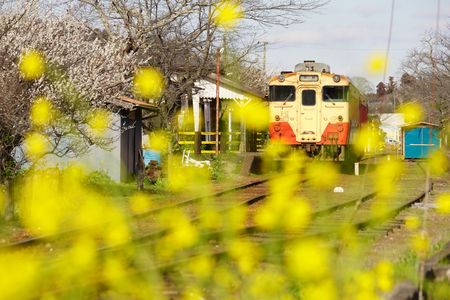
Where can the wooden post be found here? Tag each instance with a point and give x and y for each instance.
(196, 111)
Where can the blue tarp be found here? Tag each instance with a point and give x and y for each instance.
(151, 155)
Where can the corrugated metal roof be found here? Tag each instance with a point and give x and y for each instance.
(228, 89)
(130, 104)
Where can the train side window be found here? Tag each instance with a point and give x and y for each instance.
(282, 93)
(309, 97)
(335, 93)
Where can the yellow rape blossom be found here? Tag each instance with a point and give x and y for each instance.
(41, 112)
(297, 216)
(83, 254)
(420, 244)
(412, 111)
(255, 113)
(443, 204)
(267, 285)
(114, 271)
(140, 203)
(228, 14)
(19, 275)
(98, 121)
(201, 266)
(376, 63)
(159, 141)
(367, 139)
(43, 211)
(386, 174)
(148, 83)
(412, 222)
(321, 174)
(210, 218)
(324, 289)
(245, 253)
(438, 163)
(308, 260)
(384, 272)
(32, 65)
(36, 145)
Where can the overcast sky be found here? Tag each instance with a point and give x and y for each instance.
(346, 33)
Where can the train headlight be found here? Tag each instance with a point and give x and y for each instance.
(336, 78)
(281, 78)
(277, 118)
(340, 118)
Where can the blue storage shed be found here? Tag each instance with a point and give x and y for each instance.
(420, 139)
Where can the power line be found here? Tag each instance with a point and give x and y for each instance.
(389, 40)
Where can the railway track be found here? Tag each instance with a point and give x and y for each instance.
(251, 186)
(362, 225)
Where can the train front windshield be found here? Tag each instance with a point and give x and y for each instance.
(335, 93)
(281, 93)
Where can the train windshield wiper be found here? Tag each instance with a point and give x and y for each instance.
(288, 98)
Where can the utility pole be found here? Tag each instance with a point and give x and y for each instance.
(218, 52)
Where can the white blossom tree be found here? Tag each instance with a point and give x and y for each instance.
(84, 72)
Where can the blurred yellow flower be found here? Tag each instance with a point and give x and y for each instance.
(192, 292)
(225, 278)
(367, 139)
(268, 216)
(412, 222)
(116, 231)
(201, 266)
(376, 63)
(82, 256)
(267, 285)
(228, 14)
(114, 271)
(41, 111)
(182, 232)
(412, 111)
(255, 113)
(438, 163)
(210, 218)
(322, 174)
(36, 145)
(245, 253)
(384, 272)
(443, 203)
(387, 173)
(19, 275)
(140, 203)
(148, 83)
(42, 211)
(297, 216)
(420, 244)
(159, 141)
(98, 121)
(324, 289)
(32, 65)
(308, 260)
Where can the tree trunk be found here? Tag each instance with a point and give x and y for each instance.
(9, 207)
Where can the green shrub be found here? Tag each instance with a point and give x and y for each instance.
(98, 178)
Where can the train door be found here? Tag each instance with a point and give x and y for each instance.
(308, 116)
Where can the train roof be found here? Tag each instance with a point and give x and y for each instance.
(312, 66)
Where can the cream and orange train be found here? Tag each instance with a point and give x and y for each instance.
(316, 110)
